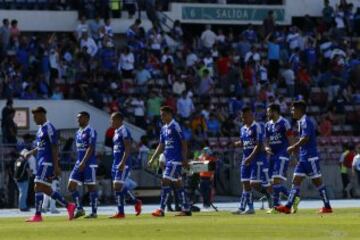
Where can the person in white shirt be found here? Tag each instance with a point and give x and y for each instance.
(185, 106)
(179, 86)
(293, 38)
(81, 28)
(108, 29)
(220, 38)
(139, 110)
(191, 59)
(88, 43)
(167, 56)
(126, 63)
(208, 38)
(289, 76)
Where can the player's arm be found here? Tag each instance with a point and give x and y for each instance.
(302, 141)
(253, 154)
(89, 150)
(238, 143)
(127, 146)
(159, 149)
(32, 152)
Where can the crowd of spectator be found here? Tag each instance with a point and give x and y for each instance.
(206, 79)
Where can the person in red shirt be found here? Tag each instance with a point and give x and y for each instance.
(345, 163)
(206, 178)
(223, 65)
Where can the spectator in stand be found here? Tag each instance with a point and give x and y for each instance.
(206, 83)
(328, 14)
(9, 128)
(179, 86)
(289, 77)
(130, 6)
(153, 105)
(250, 34)
(213, 126)
(94, 28)
(82, 28)
(185, 106)
(126, 63)
(325, 127)
(88, 44)
(346, 163)
(137, 103)
(5, 113)
(14, 34)
(142, 78)
(273, 56)
(208, 38)
(5, 35)
(269, 23)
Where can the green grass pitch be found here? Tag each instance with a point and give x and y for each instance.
(307, 224)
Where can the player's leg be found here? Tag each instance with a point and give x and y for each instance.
(182, 196)
(245, 173)
(168, 175)
(205, 189)
(55, 187)
(316, 178)
(75, 180)
(279, 178)
(131, 185)
(120, 190)
(90, 182)
(43, 186)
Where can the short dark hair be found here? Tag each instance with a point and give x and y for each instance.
(246, 109)
(118, 115)
(85, 114)
(167, 109)
(301, 104)
(274, 107)
(39, 110)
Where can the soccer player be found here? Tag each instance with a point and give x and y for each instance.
(174, 146)
(47, 166)
(308, 164)
(121, 163)
(278, 136)
(254, 169)
(84, 171)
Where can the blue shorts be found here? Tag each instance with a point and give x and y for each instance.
(278, 165)
(120, 176)
(172, 171)
(256, 172)
(88, 176)
(44, 174)
(308, 167)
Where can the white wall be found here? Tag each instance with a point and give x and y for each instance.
(63, 115)
(59, 21)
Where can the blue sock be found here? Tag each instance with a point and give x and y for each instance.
(76, 197)
(39, 197)
(276, 194)
(183, 199)
(324, 196)
(60, 199)
(243, 201)
(294, 192)
(284, 190)
(132, 199)
(120, 201)
(164, 196)
(249, 200)
(93, 201)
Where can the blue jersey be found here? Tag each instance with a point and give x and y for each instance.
(171, 136)
(121, 134)
(85, 138)
(250, 137)
(307, 129)
(276, 133)
(45, 138)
